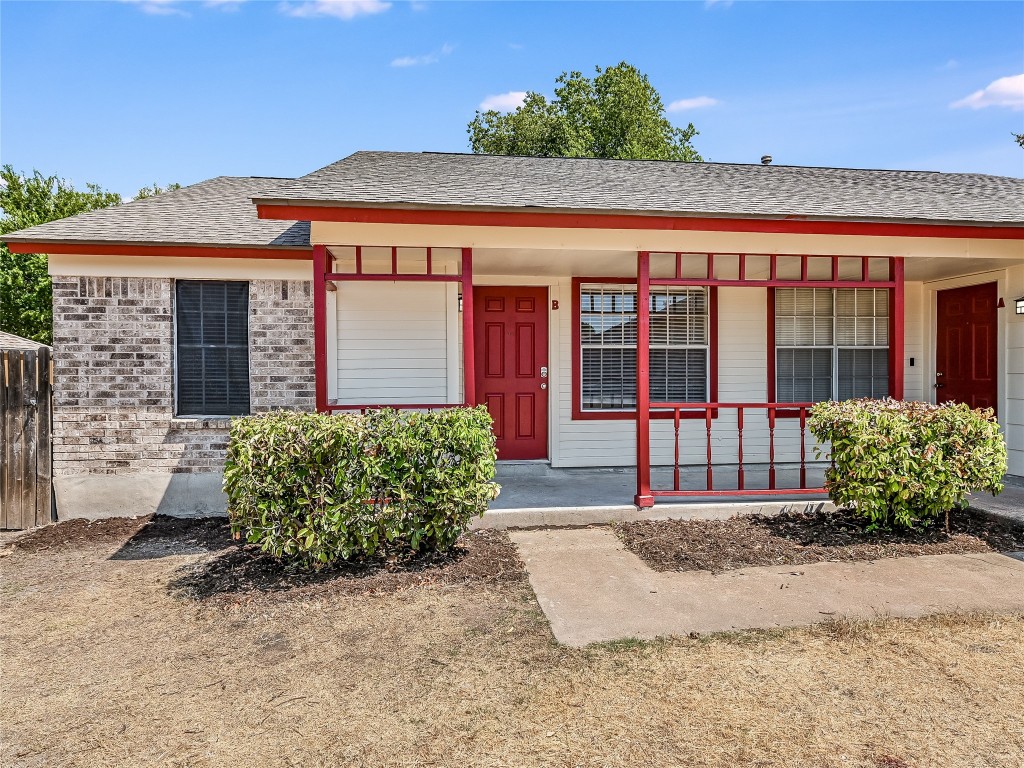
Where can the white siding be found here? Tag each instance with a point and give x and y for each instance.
(393, 342)
(1013, 420)
(743, 356)
(914, 343)
(401, 343)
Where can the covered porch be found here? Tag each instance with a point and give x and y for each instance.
(626, 377)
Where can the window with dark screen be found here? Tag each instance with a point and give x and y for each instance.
(212, 347)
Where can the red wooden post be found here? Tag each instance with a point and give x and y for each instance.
(803, 447)
(675, 469)
(896, 329)
(643, 498)
(320, 325)
(711, 476)
(468, 358)
(739, 446)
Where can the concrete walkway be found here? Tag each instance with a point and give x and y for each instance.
(1008, 505)
(592, 589)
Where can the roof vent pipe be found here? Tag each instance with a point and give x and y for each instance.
(766, 159)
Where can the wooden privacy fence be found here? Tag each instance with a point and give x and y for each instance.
(25, 445)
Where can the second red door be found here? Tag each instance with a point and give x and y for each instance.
(511, 350)
(966, 351)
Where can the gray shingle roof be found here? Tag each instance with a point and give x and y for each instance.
(10, 341)
(718, 189)
(214, 212)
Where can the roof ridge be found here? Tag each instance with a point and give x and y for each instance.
(719, 163)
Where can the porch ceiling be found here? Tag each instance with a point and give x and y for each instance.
(585, 263)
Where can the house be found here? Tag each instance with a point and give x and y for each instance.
(676, 318)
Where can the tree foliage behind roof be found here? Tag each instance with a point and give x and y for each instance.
(617, 114)
(156, 189)
(26, 296)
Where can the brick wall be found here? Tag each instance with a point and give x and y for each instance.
(114, 373)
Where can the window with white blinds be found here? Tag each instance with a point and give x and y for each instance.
(679, 346)
(831, 344)
(212, 348)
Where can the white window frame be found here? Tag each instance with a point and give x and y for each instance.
(835, 346)
(663, 290)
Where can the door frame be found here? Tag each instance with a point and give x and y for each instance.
(999, 277)
(555, 373)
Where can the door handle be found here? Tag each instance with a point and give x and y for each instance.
(939, 385)
(543, 371)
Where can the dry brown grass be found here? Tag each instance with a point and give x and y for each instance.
(103, 667)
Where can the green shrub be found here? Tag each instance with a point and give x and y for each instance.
(907, 462)
(315, 488)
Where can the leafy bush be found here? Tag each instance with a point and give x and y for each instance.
(905, 462)
(315, 488)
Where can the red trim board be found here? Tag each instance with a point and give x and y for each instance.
(440, 217)
(123, 249)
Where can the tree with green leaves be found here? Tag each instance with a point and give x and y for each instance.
(1019, 138)
(616, 114)
(26, 296)
(155, 190)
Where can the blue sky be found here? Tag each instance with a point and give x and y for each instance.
(130, 93)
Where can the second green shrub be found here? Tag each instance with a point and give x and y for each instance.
(900, 463)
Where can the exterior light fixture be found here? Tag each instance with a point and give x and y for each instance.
(1020, 305)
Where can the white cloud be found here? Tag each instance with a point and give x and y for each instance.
(503, 102)
(698, 102)
(174, 7)
(339, 9)
(718, 3)
(419, 61)
(158, 7)
(1004, 92)
(949, 65)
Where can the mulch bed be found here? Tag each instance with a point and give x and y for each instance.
(234, 569)
(800, 538)
(79, 533)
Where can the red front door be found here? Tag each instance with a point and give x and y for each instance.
(511, 342)
(966, 352)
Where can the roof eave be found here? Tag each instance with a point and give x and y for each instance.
(538, 217)
(65, 246)
(538, 209)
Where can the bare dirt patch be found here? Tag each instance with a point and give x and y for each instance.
(799, 538)
(106, 664)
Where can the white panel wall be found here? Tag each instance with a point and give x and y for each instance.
(393, 342)
(743, 356)
(401, 343)
(1013, 421)
(914, 346)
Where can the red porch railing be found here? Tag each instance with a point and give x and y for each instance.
(760, 271)
(793, 454)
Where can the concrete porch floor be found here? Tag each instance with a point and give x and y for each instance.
(535, 494)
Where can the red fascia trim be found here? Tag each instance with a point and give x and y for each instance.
(578, 414)
(628, 221)
(120, 249)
